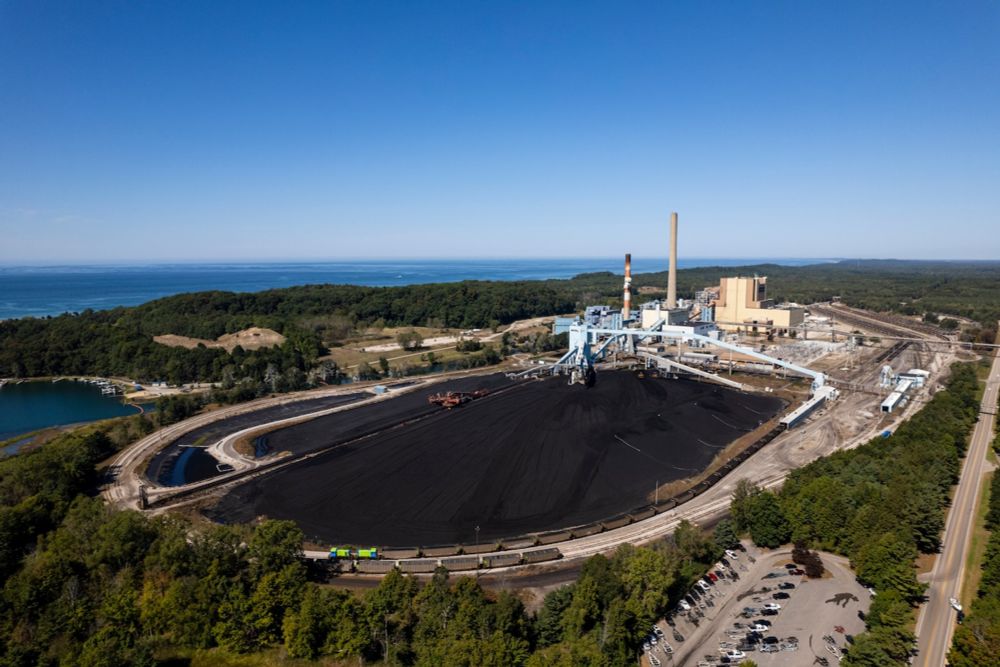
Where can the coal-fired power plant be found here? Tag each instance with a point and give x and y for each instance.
(672, 275)
(627, 293)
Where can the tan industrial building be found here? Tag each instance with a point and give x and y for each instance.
(742, 305)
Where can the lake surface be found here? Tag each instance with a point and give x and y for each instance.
(50, 290)
(30, 406)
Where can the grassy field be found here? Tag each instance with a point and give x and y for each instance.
(219, 658)
(349, 358)
(977, 545)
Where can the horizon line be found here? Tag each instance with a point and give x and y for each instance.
(234, 262)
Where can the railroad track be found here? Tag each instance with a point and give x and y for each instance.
(885, 324)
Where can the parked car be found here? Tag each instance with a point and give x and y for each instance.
(658, 631)
(774, 606)
(732, 554)
(713, 576)
(769, 640)
(773, 575)
(797, 572)
(768, 612)
(791, 566)
(703, 586)
(725, 562)
(780, 596)
(683, 605)
(760, 627)
(786, 585)
(735, 654)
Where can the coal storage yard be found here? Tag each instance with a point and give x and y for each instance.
(184, 460)
(539, 456)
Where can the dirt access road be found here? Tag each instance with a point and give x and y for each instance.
(936, 623)
(127, 469)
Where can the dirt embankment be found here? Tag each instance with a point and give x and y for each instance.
(253, 338)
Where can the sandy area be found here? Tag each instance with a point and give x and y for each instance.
(253, 338)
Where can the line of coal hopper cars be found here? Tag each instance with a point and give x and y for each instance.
(415, 561)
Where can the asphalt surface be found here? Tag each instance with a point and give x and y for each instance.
(163, 468)
(541, 456)
(936, 622)
(814, 609)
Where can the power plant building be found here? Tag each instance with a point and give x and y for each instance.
(742, 305)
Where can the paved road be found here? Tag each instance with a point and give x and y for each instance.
(937, 619)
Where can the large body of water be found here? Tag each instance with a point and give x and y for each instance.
(29, 406)
(50, 290)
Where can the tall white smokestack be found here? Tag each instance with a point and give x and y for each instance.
(627, 293)
(672, 275)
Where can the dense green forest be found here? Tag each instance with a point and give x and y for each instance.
(977, 640)
(881, 505)
(119, 342)
(84, 585)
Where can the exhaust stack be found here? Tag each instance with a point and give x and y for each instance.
(672, 275)
(627, 293)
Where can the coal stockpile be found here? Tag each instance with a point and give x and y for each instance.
(334, 429)
(172, 467)
(541, 456)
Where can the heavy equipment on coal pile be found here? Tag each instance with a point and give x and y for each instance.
(453, 399)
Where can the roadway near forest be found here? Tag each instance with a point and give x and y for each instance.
(936, 622)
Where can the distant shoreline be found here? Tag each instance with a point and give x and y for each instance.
(43, 291)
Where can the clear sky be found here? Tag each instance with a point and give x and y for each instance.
(176, 130)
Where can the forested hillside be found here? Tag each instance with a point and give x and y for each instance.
(120, 341)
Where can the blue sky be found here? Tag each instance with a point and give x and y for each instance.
(234, 130)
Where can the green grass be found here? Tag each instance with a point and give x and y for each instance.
(977, 545)
(219, 658)
(19, 438)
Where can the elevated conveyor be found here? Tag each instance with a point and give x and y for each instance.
(674, 366)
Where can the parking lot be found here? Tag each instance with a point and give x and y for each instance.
(811, 627)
